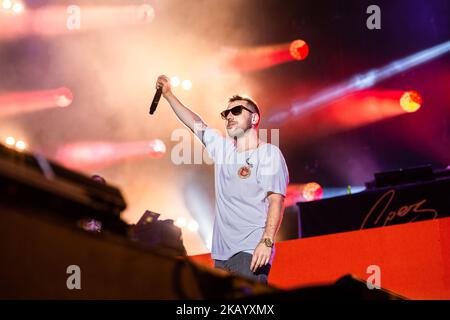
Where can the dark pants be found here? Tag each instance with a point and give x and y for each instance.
(239, 264)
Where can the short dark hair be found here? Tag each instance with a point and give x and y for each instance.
(98, 178)
(245, 98)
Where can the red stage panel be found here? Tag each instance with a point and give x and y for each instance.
(414, 259)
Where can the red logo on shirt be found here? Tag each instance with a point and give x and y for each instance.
(244, 172)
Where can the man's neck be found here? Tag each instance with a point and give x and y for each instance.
(249, 140)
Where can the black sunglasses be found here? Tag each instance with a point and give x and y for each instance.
(235, 111)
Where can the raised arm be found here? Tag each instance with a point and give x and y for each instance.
(186, 115)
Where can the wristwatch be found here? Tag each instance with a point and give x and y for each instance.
(268, 242)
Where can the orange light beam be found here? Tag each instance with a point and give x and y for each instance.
(97, 155)
(64, 19)
(20, 102)
(262, 57)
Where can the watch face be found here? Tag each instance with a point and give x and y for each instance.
(268, 242)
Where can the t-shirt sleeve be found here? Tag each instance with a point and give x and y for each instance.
(273, 175)
(213, 141)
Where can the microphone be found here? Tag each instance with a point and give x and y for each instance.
(155, 100)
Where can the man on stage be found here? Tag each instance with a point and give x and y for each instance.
(251, 178)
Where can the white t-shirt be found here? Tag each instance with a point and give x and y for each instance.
(241, 203)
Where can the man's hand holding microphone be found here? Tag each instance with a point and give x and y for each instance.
(162, 88)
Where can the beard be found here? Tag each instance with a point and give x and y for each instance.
(237, 131)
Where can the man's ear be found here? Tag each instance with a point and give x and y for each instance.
(255, 118)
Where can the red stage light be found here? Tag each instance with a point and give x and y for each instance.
(312, 191)
(157, 148)
(63, 97)
(299, 49)
(302, 192)
(261, 57)
(411, 101)
(96, 155)
(29, 101)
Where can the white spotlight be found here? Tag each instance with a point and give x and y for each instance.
(10, 141)
(193, 226)
(7, 4)
(158, 145)
(18, 7)
(186, 84)
(175, 82)
(181, 222)
(20, 145)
